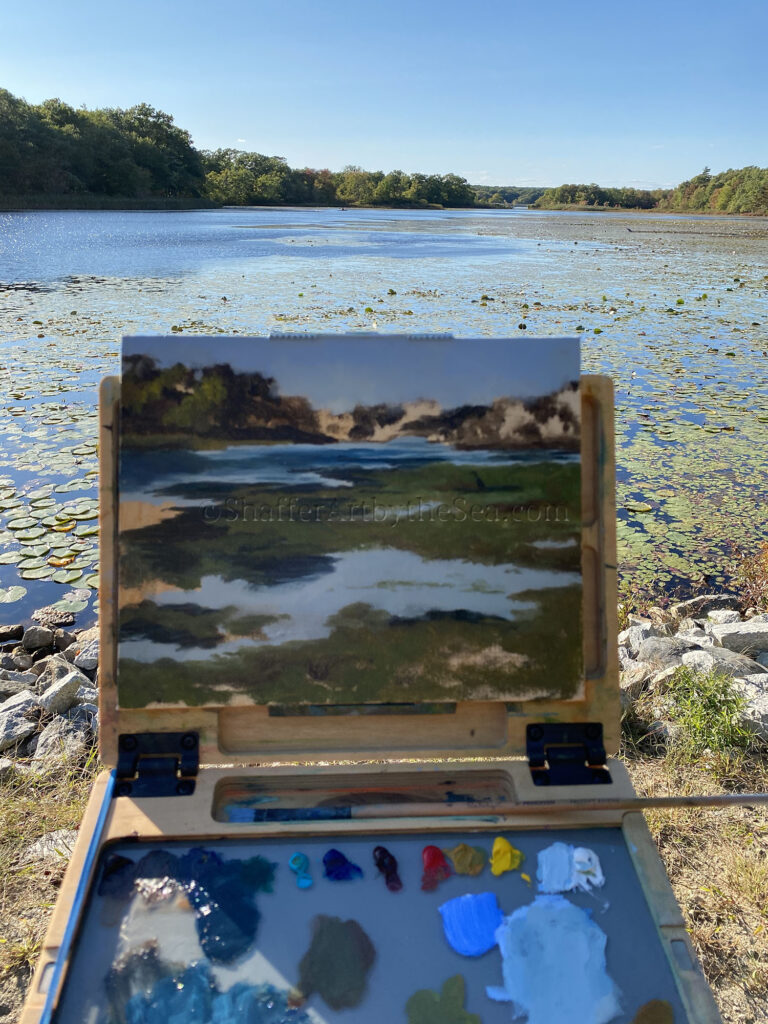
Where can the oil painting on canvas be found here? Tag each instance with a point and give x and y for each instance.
(349, 520)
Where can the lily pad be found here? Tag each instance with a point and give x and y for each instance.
(71, 606)
(10, 557)
(67, 575)
(32, 534)
(22, 523)
(43, 573)
(638, 506)
(10, 595)
(92, 580)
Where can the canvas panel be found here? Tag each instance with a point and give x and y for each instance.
(349, 520)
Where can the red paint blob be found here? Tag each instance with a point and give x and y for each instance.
(436, 868)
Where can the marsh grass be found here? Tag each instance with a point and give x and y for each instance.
(716, 860)
(32, 804)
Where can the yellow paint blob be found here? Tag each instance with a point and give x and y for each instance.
(658, 1011)
(504, 856)
(525, 878)
(467, 860)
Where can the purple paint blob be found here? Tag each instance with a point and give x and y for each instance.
(387, 865)
(470, 922)
(338, 868)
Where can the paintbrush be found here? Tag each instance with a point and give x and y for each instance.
(496, 809)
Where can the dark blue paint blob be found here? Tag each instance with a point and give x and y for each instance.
(387, 865)
(222, 893)
(192, 997)
(338, 868)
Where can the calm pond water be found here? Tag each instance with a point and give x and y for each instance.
(674, 309)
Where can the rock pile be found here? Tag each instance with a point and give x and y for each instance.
(705, 633)
(48, 695)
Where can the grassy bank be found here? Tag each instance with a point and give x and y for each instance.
(95, 202)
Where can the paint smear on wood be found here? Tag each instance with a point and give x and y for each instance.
(553, 965)
(337, 963)
(467, 860)
(445, 1007)
(470, 922)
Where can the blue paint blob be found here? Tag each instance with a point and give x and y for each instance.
(470, 922)
(338, 868)
(299, 864)
(191, 997)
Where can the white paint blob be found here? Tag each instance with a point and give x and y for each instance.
(553, 965)
(563, 868)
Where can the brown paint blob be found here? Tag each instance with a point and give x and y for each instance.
(658, 1011)
(337, 963)
(436, 868)
(467, 860)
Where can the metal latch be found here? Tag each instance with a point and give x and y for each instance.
(157, 764)
(567, 754)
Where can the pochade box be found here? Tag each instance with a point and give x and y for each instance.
(359, 678)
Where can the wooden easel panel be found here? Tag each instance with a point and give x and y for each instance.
(245, 733)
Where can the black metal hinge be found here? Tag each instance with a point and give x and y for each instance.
(567, 754)
(157, 764)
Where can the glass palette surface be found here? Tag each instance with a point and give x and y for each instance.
(178, 959)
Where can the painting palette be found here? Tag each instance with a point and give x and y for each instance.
(342, 579)
(410, 951)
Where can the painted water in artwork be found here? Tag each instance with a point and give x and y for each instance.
(349, 520)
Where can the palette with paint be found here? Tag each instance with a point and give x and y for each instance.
(358, 602)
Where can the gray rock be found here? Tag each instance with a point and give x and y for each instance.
(86, 713)
(633, 679)
(88, 657)
(703, 604)
(52, 616)
(37, 636)
(61, 695)
(71, 652)
(639, 620)
(63, 740)
(658, 681)
(722, 660)
(625, 658)
(7, 675)
(87, 695)
(62, 639)
(664, 650)
(18, 718)
(743, 637)
(7, 767)
(10, 633)
(762, 659)
(721, 616)
(21, 659)
(56, 668)
(633, 636)
(755, 716)
(56, 846)
(7, 662)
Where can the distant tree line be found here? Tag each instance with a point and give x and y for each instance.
(506, 195)
(732, 191)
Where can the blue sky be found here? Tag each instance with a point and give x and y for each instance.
(370, 370)
(499, 92)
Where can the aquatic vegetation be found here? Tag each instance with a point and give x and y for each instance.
(445, 1007)
(470, 922)
(337, 963)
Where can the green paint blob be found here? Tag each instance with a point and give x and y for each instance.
(337, 963)
(467, 860)
(427, 1007)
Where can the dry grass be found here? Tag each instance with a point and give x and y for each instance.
(32, 805)
(716, 860)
